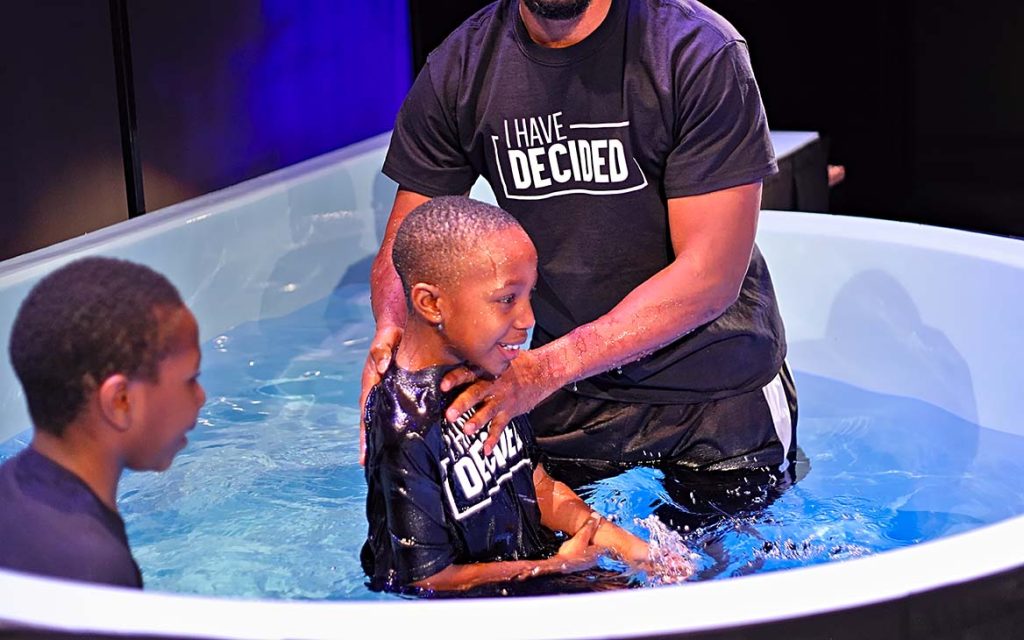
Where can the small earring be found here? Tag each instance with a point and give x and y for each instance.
(440, 326)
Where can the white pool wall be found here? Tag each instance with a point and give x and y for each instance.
(263, 248)
(903, 309)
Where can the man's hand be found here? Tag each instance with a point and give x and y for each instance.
(518, 390)
(382, 349)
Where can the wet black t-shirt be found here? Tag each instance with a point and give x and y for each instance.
(52, 524)
(433, 498)
(584, 145)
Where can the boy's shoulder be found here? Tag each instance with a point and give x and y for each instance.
(53, 524)
(34, 482)
(407, 402)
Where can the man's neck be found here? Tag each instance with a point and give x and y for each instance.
(83, 459)
(558, 34)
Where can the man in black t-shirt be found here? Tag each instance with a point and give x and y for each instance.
(629, 140)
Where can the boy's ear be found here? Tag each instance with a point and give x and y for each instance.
(114, 401)
(425, 299)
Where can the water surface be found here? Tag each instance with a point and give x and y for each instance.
(268, 498)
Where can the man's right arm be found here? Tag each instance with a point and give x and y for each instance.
(388, 303)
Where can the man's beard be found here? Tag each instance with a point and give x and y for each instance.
(557, 9)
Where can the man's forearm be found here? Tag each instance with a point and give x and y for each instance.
(712, 237)
(667, 306)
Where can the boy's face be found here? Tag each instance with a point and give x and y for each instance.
(167, 408)
(486, 308)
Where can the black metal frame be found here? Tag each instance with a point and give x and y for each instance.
(126, 108)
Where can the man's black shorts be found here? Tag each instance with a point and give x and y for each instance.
(750, 430)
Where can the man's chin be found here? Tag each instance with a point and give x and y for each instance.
(557, 9)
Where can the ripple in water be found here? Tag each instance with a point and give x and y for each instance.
(671, 560)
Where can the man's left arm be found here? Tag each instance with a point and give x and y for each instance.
(712, 235)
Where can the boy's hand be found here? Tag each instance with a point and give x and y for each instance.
(579, 552)
(382, 349)
(515, 392)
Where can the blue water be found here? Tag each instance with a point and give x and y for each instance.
(267, 500)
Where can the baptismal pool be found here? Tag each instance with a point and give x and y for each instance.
(905, 521)
(267, 501)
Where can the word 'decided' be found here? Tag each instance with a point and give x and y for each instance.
(596, 161)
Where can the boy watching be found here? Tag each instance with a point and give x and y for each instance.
(108, 357)
(443, 515)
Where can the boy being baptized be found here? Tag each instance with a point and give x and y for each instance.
(443, 515)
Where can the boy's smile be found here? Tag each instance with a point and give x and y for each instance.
(486, 312)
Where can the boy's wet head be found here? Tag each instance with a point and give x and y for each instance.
(437, 239)
(467, 269)
(85, 322)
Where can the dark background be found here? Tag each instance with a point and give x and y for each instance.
(921, 101)
(225, 90)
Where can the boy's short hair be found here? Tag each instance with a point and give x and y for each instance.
(83, 323)
(433, 238)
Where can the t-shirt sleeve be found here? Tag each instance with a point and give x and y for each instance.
(411, 482)
(722, 137)
(425, 155)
